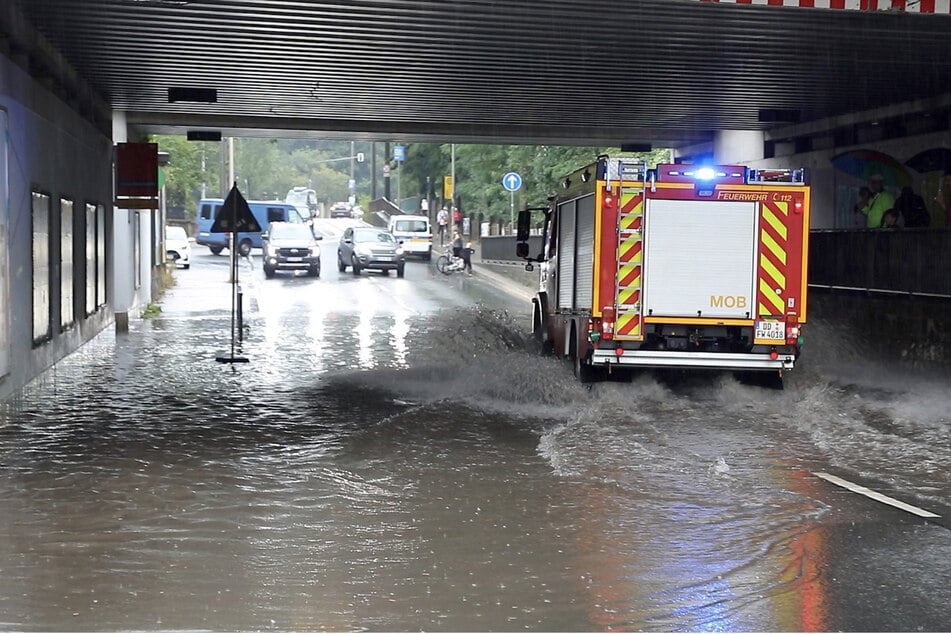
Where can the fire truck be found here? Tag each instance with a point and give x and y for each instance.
(678, 267)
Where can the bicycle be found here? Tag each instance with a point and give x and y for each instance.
(447, 264)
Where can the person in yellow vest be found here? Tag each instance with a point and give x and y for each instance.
(878, 203)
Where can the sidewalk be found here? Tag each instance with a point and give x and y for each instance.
(512, 278)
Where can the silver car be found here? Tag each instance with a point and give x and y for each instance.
(291, 246)
(370, 248)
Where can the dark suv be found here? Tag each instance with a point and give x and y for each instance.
(291, 246)
(370, 248)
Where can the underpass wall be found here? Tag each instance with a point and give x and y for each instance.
(49, 149)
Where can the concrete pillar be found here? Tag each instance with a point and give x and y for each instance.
(123, 238)
(737, 146)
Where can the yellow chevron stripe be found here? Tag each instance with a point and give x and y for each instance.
(627, 222)
(777, 307)
(624, 248)
(775, 222)
(626, 198)
(624, 295)
(773, 246)
(624, 269)
(770, 268)
(624, 320)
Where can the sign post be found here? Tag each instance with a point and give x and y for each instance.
(512, 182)
(234, 215)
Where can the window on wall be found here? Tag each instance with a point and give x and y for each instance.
(91, 284)
(66, 263)
(41, 267)
(100, 255)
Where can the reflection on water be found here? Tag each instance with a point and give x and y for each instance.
(386, 468)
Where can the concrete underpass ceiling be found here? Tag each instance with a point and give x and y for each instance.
(664, 72)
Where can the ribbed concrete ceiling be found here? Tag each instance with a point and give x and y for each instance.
(667, 72)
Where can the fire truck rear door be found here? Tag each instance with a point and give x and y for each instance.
(699, 258)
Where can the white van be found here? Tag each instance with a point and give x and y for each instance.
(415, 233)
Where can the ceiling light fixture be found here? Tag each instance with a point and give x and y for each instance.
(182, 93)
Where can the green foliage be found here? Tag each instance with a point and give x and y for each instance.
(479, 171)
(267, 168)
(184, 175)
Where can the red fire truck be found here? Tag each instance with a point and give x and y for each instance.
(677, 267)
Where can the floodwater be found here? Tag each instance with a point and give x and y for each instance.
(396, 456)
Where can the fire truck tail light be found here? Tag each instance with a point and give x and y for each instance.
(797, 208)
(619, 351)
(773, 355)
(793, 331)
(607, 322)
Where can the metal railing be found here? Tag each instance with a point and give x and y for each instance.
(885, 261)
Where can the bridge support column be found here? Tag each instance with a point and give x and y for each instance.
(738, 146)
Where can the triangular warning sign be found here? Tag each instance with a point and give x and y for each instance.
(235, 215)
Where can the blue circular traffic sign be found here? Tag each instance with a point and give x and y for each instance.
(512, 181)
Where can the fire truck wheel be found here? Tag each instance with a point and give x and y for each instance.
(583, 372)
(539, 332)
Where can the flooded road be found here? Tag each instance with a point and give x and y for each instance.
(396, 456)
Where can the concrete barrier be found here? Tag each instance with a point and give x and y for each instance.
(502, 248)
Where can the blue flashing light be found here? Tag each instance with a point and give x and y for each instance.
(705, 173)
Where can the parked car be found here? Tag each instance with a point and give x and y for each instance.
(370, 248)
(291, 246)
(177, 248)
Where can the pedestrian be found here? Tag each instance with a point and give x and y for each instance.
(910, 207)
(467, 257)
(456, 244)
(864, 194)
(890, 220)
(879, 202)
(943, 198)
(442, 219)
(457, 218)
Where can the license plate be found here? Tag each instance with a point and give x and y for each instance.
(771, 330)
(295, 259)
(384, 258)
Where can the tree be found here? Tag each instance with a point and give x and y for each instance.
(184, 175)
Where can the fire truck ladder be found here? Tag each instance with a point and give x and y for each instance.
(630, 250)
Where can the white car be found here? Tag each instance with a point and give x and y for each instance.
(177, 248)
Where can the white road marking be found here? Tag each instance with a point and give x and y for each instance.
(875, 495)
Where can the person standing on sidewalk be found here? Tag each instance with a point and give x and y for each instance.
(466, 255)
(442, 220)
(879, 202)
